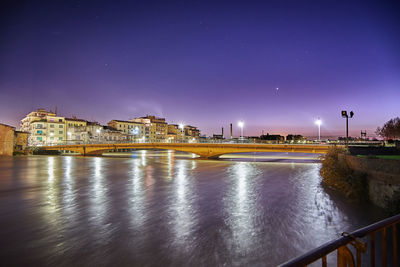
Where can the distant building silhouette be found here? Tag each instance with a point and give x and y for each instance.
(272, 137)
(295, 138)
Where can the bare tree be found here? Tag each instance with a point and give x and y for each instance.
(390, 130)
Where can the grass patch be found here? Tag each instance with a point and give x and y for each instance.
(380, 156)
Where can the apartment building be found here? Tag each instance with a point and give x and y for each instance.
(157, 128)
(134, 130)
(175, 133)
(192, 132)
(44, 128)
(72, 123)
(93, 132)
(182, 133)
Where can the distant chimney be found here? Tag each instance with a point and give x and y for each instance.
(222, 132)
(231, 130)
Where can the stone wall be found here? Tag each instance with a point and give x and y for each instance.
(383, 176)
(20, 142)
(6, 140)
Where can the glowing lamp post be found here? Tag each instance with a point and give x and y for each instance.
(241, 124)
(135, 132)
(319, 122)
(98, 132)
(182, 127)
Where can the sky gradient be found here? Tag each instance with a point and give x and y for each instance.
(277, 66)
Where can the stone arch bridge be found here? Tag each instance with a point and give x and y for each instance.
(204, 150)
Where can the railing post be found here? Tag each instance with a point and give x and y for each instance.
(372, 249)
(395, 258)
(384, 260)
(324, 264)
(344, 257)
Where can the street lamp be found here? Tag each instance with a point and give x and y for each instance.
(135, 131)
(181, 126)
(319, 122)
(98, 132)
(344, 115)
(241, 124)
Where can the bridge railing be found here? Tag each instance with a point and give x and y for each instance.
(207, 141)
(370, 237)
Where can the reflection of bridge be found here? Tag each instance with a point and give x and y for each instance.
(204, 150)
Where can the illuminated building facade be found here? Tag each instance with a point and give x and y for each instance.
(134, 130)
(44, 128)
(157, 128)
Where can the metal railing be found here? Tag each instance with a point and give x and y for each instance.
(201, 141)
(344, 253)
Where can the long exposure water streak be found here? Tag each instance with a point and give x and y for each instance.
(155, 208)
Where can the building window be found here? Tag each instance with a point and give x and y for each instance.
(39, 132)
(60, 126)
(60, 120)
(60, 138)
(60, 132)
(51, 125)
(39, 138)
(51, 138)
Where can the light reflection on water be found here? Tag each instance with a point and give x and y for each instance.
(136, 198)
(242, 210)
(182, 210)
(160, 209)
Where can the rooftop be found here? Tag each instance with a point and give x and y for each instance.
(127, 121)
(75, 119)
(5, 125)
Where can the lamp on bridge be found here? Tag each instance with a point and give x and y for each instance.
(69, 136)
(135, 131)
(319, 122)
(182, 127)
(241, 124)
(98, 132)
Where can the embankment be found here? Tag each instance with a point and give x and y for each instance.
(362, 178)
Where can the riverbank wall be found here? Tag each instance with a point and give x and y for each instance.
(12, 142)
(382, 177)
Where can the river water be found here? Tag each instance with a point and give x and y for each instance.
(166, 209)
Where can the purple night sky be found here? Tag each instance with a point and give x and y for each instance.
(204, 64)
